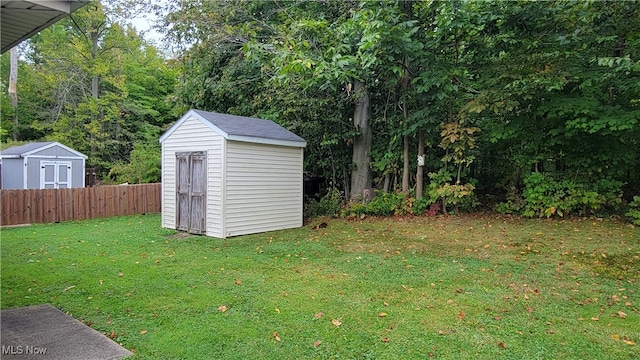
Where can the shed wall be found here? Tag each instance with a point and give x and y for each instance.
(193, 135)
(12, 174)
(264, 187)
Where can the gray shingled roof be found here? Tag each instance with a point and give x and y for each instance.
(250, 127)
(19, 150)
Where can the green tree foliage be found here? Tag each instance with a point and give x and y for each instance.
(488, 91)
(96, 86)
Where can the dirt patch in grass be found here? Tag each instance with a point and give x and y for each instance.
(179, 235)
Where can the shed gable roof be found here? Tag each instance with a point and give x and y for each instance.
(30, 148)
(240, 128)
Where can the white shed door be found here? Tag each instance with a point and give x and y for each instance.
(55, 174)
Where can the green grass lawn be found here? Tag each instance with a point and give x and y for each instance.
(467, 287)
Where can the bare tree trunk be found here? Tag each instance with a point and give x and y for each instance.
(13, 88)
(361, 174)
(95, 80)
(406, 168)
(404, 82)
(387, 183)
(420, 172)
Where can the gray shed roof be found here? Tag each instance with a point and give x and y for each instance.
(240, 128)
(27, 149)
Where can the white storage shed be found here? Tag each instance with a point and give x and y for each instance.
(226, 175)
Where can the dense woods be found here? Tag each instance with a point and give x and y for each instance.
(534, 106)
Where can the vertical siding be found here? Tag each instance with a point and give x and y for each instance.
(193, 135)
(263, 188)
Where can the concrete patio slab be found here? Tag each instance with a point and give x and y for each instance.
(44, 332)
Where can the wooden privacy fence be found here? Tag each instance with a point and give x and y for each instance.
(54, 205)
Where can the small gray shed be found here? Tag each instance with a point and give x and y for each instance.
(226, 175)
(42, 165)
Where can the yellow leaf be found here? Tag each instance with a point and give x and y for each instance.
(629, 342)
(142, 332)
(382, 314)
(278, 310)
(336, 322)
(615, 337)
(222, 308)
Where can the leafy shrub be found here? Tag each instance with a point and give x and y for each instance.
(461, 197)
(634, 210)
(389, 204)
(544, 196)
(328, 205)
(421, 205)
(514, 203)
(386, 204)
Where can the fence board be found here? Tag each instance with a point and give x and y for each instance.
(53, 205)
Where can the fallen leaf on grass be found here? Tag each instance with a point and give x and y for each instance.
(615, 337)
(142, 332)
(276, 336)
(530, 309)
(460, 315)
(629, 342)
(502, 345)
(318, 315)
(113, 335)
(442, 332)
(622, 315)
(222, 308)
(238, 282)
(385, 303)
(336, 322)
(595, 318)
(317, 343)
(121, 274)
(382, 314)
(385, 339)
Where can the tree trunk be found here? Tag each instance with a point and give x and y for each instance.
(13, 88)
(420, 172)
(95, 80)
(387, 183)
(361, 174)
(406, 168)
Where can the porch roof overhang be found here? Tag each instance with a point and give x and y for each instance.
(21, 19)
